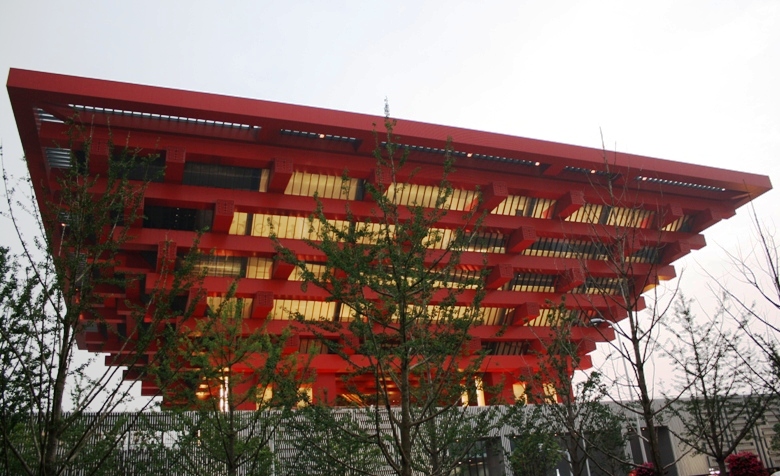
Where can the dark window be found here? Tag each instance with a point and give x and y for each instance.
(485, 458)
(221, 176)
(148, 169)
(172, 218)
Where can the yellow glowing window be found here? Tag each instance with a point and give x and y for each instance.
(630, 217)
(325, 186)
(680, 224)
(427, 196)
(588, 213)
(308, 392)
(259, 268)
(230, 306)
(238, 225)
(546, 318)
(479, 394)
(317, 269)
(260, 224)
(492, 316)
(516, 205)
(264, 396)
(288, 309)
(550, 394)
(518, 389)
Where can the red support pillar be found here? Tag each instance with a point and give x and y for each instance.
(498, 388)
(521, 239)
(324, 389)
(281, 173)
(98, 157)
(492, 195)
(166, 256)
(525, 313)
(499, 275)
(569, 203)
(569, 279)
(666, 215)
(223, 216)
(175, 158)
(281, 269)
(262, 304)
(196, 300)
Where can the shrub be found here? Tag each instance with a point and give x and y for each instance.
(745, 464)
(646, 469)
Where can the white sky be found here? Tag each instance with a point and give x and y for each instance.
(692, 81)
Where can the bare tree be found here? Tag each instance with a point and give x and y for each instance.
(633, 238)
(759, 268)
(723, 401)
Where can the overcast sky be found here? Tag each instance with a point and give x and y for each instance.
(691, 81)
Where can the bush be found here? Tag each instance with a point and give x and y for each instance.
(646, 469)
(745, 464)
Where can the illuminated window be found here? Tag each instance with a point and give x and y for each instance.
(308, 393)
(289, 309)
(630, 217)
(682, 224)
(325, 186)
(546, 318)
(479, 394)
(515, 205)
(224, 390)
(264, 397)
(588, 213)
(230, 306)
(221, 266)
(259, 268)
(260, 224)
(518, 389)
(427, 196)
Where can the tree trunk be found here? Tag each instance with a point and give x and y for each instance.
(647, 413)
(54, 423)
(722, 466)
(406, 420)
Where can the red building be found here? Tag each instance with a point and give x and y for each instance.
(231, 164)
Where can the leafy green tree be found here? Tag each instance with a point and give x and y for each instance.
(51, 293)
(232, 392)
(536, 448)
(329, 442)
(723, 401)
(410, 311)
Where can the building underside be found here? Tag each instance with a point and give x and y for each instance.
(237, 166)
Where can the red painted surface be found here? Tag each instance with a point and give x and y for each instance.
(551, 171)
